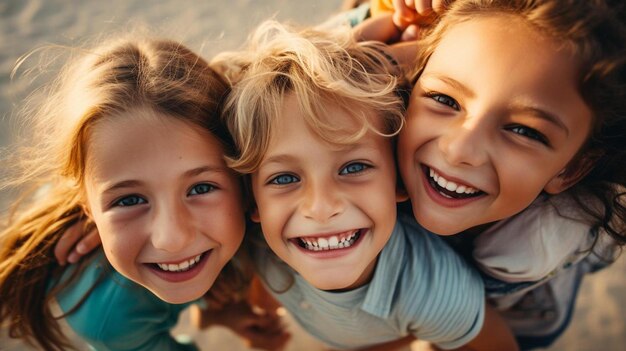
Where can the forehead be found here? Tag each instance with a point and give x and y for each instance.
(328, 120)
(504, 56)
(141, 140)
(505, 43)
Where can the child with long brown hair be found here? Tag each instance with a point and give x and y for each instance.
(130, 139)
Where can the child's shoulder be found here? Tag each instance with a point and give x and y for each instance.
(435, 284)
(111, 308)
(528, 246)
(426, 261)
(420, 246)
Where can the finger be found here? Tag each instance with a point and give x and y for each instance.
(423, 7)
(89, 242)
(410, 33)
(402, 15)
(73, 257)
(439, 6)
(66, 242)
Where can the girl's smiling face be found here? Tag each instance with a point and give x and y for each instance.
(168, 210)
(493, 120)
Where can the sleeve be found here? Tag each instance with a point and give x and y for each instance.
(533, 244)
(120, 315)
(446, 301)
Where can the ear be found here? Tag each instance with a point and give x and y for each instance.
(572, 173)
(401, 194)
(254, 214)
(558, 184)
(86, 211)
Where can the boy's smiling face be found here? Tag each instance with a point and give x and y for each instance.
(326, 210)
(493, 120)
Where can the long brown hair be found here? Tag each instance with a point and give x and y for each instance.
(100, 82)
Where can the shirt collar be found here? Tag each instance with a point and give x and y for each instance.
(382, 288)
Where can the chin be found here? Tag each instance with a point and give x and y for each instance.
(435, 226)
(332, 284)
(184, 294)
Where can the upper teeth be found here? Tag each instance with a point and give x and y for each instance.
(180, 267)
(330, 243)
(450, 185)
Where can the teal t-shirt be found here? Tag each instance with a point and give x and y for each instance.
(118, 314)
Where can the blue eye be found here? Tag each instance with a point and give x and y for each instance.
(445, 100)
(200, 189)
(529, 133)
(284, 179)
(352, 168)
(131, 200)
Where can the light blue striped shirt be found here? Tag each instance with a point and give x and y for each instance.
(420, 286)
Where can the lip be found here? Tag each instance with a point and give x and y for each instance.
(440, 199)
(328, 254)
(177, 277)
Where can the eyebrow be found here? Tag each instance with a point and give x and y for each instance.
(280, 158)
(541, 114)
(452, 82)
(283, 158)
(188, 174)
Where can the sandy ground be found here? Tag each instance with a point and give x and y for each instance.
(209, 27)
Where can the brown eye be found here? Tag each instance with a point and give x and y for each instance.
(529, 133)
(445, 100)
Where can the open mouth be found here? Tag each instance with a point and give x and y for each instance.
(338, 241)
(182, 266)
(450, 189)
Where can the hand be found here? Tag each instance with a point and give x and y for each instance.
(259, 329)
(77, 241)
(410, 15)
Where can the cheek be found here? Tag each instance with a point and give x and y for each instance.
(271, 212)
(226, 225)
(120, 241)
(410, 139)
(520, 194)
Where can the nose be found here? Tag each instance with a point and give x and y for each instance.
(464, 142)
(172, 229)
(322, 201)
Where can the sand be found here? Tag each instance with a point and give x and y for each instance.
(209, 27)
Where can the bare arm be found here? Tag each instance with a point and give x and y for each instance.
(380, 28)
(494, 335)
